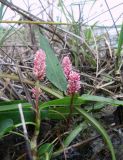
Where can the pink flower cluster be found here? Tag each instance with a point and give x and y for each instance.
(39, 68)
(73, 82)
(73, 77)
(67, 66)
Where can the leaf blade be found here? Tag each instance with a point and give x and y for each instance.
(99, 128)
(54, 71)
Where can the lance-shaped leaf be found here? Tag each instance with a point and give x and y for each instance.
(54, 71)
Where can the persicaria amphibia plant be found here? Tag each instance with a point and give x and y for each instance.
(72, 77)
(39, 71)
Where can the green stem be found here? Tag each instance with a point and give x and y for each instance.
(34, 147)
(71, 108)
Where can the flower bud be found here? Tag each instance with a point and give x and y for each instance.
(39, 68)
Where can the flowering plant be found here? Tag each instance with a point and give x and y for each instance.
(57, 109)
(73, 87)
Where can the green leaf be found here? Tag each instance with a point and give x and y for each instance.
(73, 134)
(84, 99)
(12, 102)
(59, 108)
(5, 126)
(54, 71)
(88, 34)
(15, 116)
(93, 98)
(120, 44)
(57, 113)
(45, 149)
(96, 107)
(54, 113)
(99, 128)
(55, 109)
(62, 102)
(120, 41)
(12, 105)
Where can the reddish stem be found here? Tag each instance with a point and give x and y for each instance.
(71, 109)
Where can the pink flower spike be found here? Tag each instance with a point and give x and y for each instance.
(67, 66)
(39, 68)
(73, 83)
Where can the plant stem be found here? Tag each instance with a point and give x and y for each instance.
(37, 121)
(71, 109)
(35, 137)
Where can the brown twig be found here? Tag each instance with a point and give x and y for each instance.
(32, 83)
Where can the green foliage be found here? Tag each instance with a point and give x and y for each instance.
(12, 105)
(54, 71)
(62, 102)
(92, 98)
(15, 116)
(5, 126)
(120, 41)
(88, 32)
(45, 151)
(119, 49)
(56, 110)
(72, 135)
(99, 128)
